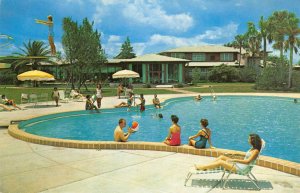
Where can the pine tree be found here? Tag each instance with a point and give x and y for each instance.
(126, 50)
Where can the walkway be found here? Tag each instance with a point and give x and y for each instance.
(27, 167)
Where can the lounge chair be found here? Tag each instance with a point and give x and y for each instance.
(246, 172)
(24, 98)
(44, 98)
(62, 96)
(33, 99)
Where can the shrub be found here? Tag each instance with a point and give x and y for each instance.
(147, 85)
(248, 74)
(7, 77)
(179, 85)
(273, 77)
(196, 75)
(223, 73)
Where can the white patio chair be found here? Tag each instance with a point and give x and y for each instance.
(33, 99)
(24, 98)
(62, 96)
(44, 98)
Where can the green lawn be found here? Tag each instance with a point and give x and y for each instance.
(223, 87)
(15, 92)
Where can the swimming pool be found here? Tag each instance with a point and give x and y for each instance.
(231, 119)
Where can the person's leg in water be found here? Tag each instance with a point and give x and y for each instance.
(99, 102)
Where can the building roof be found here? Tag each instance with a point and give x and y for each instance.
(210, 64)
(204, 48)
(149, 58)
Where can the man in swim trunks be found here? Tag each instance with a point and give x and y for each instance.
(119, 135)
(156, 102)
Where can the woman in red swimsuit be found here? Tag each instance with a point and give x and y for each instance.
(173, 137)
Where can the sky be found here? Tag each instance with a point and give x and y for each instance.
(152, 25)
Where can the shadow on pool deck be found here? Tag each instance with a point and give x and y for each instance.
(235, 184)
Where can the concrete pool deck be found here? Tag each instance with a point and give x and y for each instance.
(27, 167)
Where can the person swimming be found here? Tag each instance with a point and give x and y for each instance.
(198, 98)
(295, 101)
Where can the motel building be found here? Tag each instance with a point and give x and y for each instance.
(175, 65)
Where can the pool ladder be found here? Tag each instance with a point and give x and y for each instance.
(213, 95)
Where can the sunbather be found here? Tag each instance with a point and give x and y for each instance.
(242, 164)
(89, 104)
(205, 135)
(5, 107)
(173, 137)
(76, 94)
(9, 102)
(128, 104)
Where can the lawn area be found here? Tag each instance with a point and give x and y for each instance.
(15, 92)
(223, 87)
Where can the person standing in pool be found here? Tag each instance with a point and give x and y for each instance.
(173, 137)
(119, 135)
(156, 102)
(99, 95)
(204, 134)
(142, 104)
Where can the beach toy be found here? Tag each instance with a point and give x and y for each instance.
(134, 125)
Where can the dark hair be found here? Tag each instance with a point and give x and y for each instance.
(55, 88)
(99, 85)
(174, 118)
(255, 141)
(204, 122)
(160, 115)
(50, 17)
(142, 95)
(3, 96)
(88, 96)
(121, 120)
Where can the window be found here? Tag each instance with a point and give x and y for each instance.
(226, 57)
(178, 55)
(198, 57)
(173, 73)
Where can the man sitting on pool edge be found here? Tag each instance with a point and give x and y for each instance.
(119, 134)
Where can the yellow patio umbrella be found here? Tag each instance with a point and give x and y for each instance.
(35, 75)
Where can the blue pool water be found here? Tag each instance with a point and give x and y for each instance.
(231, 119)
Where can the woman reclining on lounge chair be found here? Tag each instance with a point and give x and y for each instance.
(5, 107)
(9, 102)
(226, 162)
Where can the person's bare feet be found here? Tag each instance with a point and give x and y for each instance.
(198, 167)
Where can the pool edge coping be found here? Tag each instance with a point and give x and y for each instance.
(264, 161)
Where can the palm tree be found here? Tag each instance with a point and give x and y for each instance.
(292, 31)
(239, 42)
(265, 32)
(33, 52)
(253, 39)
(277, 22)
